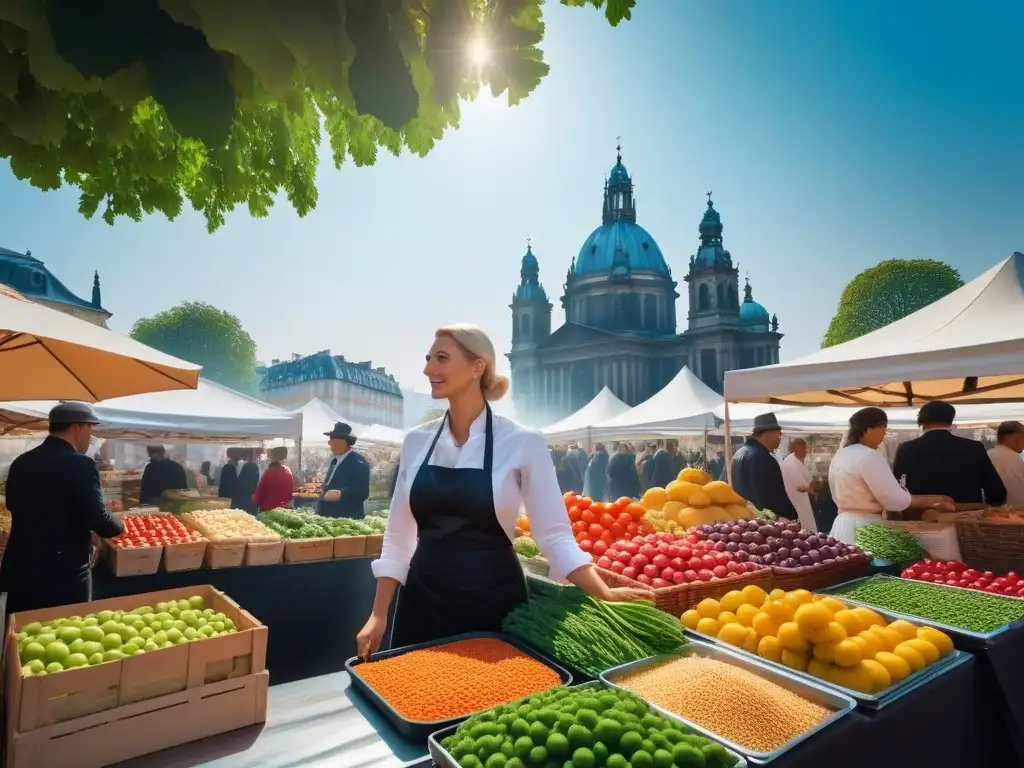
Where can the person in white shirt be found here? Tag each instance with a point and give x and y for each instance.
(798, 481)
(462, 483)
(1006, 458)
(863, 486)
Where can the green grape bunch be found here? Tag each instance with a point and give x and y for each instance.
(147, 104)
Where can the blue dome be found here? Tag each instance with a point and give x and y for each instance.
(598, 252)
(752, 313)
(619, 173)
(529, 260)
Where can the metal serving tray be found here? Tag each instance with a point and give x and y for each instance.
(443, 759)
(968, 638)
(819, 694)
(866, 700)
(419, 730)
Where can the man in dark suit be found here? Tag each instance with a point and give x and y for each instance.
(941, 463)
(248, 481)
(347, 483)
(757, 474)
(666, 464)
(161, 474)
(229, 475)
(623, 480)
(56, 503)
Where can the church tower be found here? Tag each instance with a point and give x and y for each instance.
(713, 280)
(531, 310)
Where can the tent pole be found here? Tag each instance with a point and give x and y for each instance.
(728, 445)
(705, 446)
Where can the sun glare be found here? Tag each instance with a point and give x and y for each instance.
(479, 51)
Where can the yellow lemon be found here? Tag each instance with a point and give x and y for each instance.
(907, 630)
(779, 610)
(894, 665)
(794, 660)
(764, 625)
(733, 634)
(914, 659)
(850, 621)
(727, 617)
(871, 644)
(880, 676)
(834, 633)
(709, 608)
(776, 594)
(847, 653)
(708, 626)
(750, 644)
(868, 617)
(813, 620)
(754, 595)
(825, 651)
(690, 619)
(745, 614)
(791, 639)
(861, 679)
(769, 648)
(928, 652)
(731, 601)
(939, 639)
(798, 597)
(654, 498)
(832, 604)
(819, 669)
(890, 637)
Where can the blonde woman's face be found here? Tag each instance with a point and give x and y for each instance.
(449, 371)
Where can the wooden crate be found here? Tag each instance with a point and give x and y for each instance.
(374, 543)
(37, 702)
(220, 554)
(679, 598)
(264, 552)
(308, 550)
(132, 730)
(349, 546)
(133, 561)
(184, 557)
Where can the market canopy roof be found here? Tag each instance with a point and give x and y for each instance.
(378, 434)
(685, 404)
(210, 412)
(966, 347)
(577, 426)
(50, 355)
(317, 418)
(836, 418)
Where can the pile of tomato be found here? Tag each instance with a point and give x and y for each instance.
(154, 531)
(957, 574)
(598, 524)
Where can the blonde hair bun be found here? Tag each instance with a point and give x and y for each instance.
(477, 345)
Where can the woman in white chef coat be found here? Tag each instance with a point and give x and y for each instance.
(862, 483)
(463, 481)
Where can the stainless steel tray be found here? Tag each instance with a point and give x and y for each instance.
(968, 638)
(866, 700)
(819, 694)
(443, 759)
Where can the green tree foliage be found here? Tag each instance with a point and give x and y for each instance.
(887, 292)
(207, 336)
(145, 104)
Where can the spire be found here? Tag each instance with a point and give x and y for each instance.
(96, 301)
(618, 150)
(711, 225)
(529, 276)
(619, 204)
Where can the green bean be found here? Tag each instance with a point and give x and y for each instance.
(892, 544)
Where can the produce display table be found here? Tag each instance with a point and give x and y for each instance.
(1001, 679)
(314, 610)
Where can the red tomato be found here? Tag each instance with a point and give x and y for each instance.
(622, 502)
(618, 531)
(705, 575)
(720, 571)
(643, 578)
(659, 583)
(632, 529)
(599, 547)
(589, 517)
(604, 562)
(569, 497)
(631, 547)
(668, 574)
(579, 527)
(617, 567)
(624, 518)
(585, 544)
(607, 520)
(574, 513)
(708, 561)
(583, 502)
(598, 507)
(690, 575)
(623, 557)
(639, 562)
(608, 537)
(594, 530)
(652, 571)
(629, 572)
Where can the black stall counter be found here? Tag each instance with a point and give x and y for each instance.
(313, 610)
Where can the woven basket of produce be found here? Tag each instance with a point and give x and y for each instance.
(821, 575)
(679, 598)
(989, 544)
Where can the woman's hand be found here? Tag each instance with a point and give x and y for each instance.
(370, 636)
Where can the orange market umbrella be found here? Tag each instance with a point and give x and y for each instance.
(47, 355)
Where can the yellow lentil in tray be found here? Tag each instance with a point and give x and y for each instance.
(728, 701)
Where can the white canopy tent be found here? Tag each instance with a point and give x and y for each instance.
(378, 434)
(210, 413)
(685, 404)
(966, 347)
(318, 418)
(578, 425)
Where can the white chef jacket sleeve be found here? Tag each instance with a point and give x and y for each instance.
(401, 535)
(549, 523)
(878, 477)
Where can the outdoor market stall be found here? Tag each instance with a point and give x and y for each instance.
(684, 405)
(580, 425)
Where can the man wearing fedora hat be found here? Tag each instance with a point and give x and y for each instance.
(757, 474)
(347, 483)
(56, 504)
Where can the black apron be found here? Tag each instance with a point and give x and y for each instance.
(465, 575)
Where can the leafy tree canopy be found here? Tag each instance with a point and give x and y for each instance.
(207, 336)
(887, 292)
(145, 104)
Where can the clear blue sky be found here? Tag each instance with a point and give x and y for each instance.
(834, 135)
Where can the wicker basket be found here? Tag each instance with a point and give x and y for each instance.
(991, 545)
(679, 598)
(820, 576)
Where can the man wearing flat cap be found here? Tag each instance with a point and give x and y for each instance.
(347, 482)
(56, 504)
(757, 474)
(940, 463)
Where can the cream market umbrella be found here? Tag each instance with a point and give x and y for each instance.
(47, 355)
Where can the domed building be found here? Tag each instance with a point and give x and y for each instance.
(620, 327)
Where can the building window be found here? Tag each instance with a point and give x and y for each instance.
(703, 297)
(731, 293)
(650, 312)
(526, 327)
